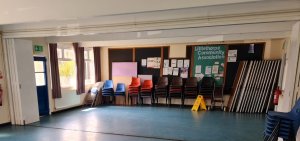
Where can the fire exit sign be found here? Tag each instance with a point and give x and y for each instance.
(37, 48)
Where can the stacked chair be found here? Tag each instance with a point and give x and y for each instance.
(161, 89)
(147, 90)
(108, 89)
(190, 89)
(92, 98)
(207, 89)
(120, 91)
(284, 125)
(134, 88)
(176, 89)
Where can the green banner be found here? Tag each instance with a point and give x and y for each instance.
(209, 61)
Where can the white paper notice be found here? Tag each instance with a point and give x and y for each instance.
(184, 72)
(208, 70)
(165, 71)
(173, 63)
(179, 63)
(170, 71)
(186, 63)
(150, 62)
(198, 69)
(232, 55)
(215, 69)
(156, 64)
(175, 71)
(166, 63)
(144, 62)
(199, 75)
(232, 52)
(231, 59)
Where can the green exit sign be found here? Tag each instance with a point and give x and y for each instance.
(37, 48)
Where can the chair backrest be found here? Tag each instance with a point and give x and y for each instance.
(162, 81)
(135, 81)
(191, 81)
(96, 87)
(120, 87)
(108, 84)
(177, 81)
(207, 82)
(295, 113)
(296, 108)
(148, 84)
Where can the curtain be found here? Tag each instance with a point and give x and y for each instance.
(97, 63)
(79, 58)
(56, 90)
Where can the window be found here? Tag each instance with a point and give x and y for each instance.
(66, 65)
(89, 66)
(40, 76)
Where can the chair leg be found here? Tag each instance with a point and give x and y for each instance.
(130, 100)
(166, 100)
(114, 99)
(125, 100)
(183, 100)
(151, 100)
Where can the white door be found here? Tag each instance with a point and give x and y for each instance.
(24, 59)
(21, 81)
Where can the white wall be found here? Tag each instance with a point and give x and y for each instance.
(4, 109)
(28, 94)
(177, 51)
(69, 98)
(45, 53)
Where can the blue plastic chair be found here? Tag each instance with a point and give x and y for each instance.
(287, 123)
(108, 89)
(121, 91)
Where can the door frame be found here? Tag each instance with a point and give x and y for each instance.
(44, 59)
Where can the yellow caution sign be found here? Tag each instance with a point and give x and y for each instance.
(200, 102)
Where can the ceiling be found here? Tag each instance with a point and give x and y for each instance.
(21, 11)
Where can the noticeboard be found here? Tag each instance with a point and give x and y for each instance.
(210, 61)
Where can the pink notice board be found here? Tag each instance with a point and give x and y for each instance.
(124, 69)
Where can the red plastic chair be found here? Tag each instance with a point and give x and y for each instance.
(134, 88)
(147, 90)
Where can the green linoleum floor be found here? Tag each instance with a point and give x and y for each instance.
(116, 123)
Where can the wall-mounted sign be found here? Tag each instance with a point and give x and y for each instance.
(37, 48)
(209, 61)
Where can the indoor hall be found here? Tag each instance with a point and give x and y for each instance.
(171, 70)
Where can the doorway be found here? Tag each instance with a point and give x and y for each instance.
(40, 71)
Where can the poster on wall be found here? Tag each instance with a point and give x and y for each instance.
(122, 69)
(165, 71)
(144, 62)
(157, 61)
(232, 55)
(211, 58)
(170, 70)
(179, 63)
(173, 63)
(186, 63)
(184, 72)
(166, 63)
(175, 71)
(153, 62)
